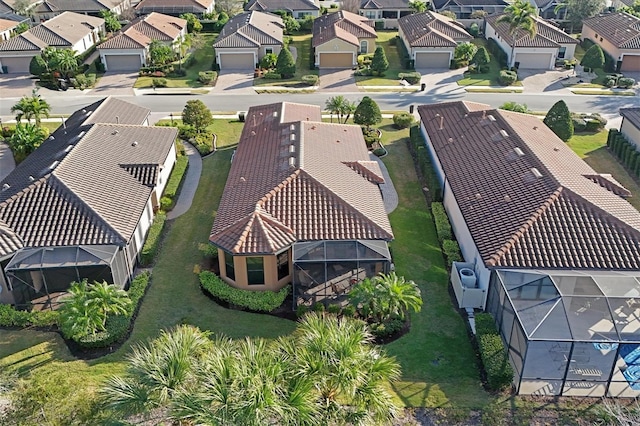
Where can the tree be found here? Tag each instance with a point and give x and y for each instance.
(193, 23)
(182, 43)
(386, 297)
(514, 106)
(418, 6)
(65, 62)
(479, 14)
(579, 10)
(268, 61)
(291, 25)
(521, 17)
(22, 27)
(22, 7)
(340, 106)
(465, 51)
(159, 53)
(634, 9)
(593, 58)
(25, 139)
(367, 113)
(229, 7)
(196, 114)
(285, 65)
(29, 107)
(111, 22)
(449, 14)
(352, 6)
(481, 57)
(558, 119)
(379, 63)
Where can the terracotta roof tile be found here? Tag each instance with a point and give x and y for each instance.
(140, 32)
(546, 36)
(275, 5)
(431, 29)
(7, 24)
(344, 25)
(620, 29)
(385, 4)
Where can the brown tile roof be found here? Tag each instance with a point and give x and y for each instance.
(343, 25)
(275, 5)
(385, 4)
(620, 29)
(546, 36)
(194, 6)
(251, 29)
(431, 29)
(527, 199)
(88, 183)
(298, 181)
(6, 24)
(632, 115)
(144, 29)
(129, 39)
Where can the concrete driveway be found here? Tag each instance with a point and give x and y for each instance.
(544, 81)
(116, 83)
(16, 85)
(441, 80)
(235, 81)
(337, 80)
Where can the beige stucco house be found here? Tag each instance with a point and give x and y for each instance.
(630, 126)
(618, 34)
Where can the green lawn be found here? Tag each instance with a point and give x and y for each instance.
(302, 43)
(487, 79)
(390, 77)
(204, 60)
(227, 131)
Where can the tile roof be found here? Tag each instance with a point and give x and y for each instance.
(22, 42)
(620, 29)
(384, 4)
(140, 32)
(546, 36)
(527, 199)
(431, 29)
(251, 29)
(632, 115)
(7, 24)
(129, 39)
(77, 5)
(439, 4)
(298, 181)
(344, 25)
(196, 6)
(89, 182)
(275, 5)
(10, 242)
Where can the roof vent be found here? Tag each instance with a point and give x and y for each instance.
(292, 161)
(68, 148)
(53, 165)
(51, 137)
(6, 186)
(507, 198)
(536, 173)
(134, 143)
(292, 148)
(31, 178)
(292, 136)
(292, 127)
(504, 133)
(518, 151)
(491, 117)
(115, 132)
(275, 114)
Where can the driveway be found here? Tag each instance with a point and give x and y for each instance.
(16, 85)
(544, 81)
(441, 80)
(116, 83)
(337, 80)
(234, 81)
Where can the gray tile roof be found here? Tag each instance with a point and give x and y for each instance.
(275, 5)
(141, 31)
(384, 4)
(80, 6)
(439, 4)
(632, 115)
(546, 36)
(88, 183)
(431, 29)
(23, 42)
(527, 199)
(10, 242)
(175, 6)
(620, 29)
(298, 181)
(344, 25)
(251, 29)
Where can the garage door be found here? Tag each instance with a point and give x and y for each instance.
(630, 63)
(237, 61)
(538, 61)
(432, 60)
(123, 62)
(336, 60)
(16, 64)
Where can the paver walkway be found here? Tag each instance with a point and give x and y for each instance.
(389, 193)
(190, 184)
(337, 80)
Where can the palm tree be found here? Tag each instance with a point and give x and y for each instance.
(396, 295)
(109, 299)
(25, 139)
(182, 43)
(521, 17)
(340, 106)
(65, 62)
(77, 317)
(29, 107)
(363, 296)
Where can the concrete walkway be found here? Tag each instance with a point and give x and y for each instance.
(7, 163)
(190, 184)
(389, 193)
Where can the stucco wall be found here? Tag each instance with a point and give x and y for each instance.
(337, 46)
(240, 267)
(631, 132)
(588, 32)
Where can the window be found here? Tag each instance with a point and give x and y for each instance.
(303, 14)
(230, 270)
(268, 50)
(364, 46)
(561, 52)
(370, 14)
(255, 270)
(283, 265)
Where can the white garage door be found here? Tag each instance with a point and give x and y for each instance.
(336, 60)
(237, 61)
(538, 61)
(432, 60)
(630, 63)
(123, 62)
(16, 64)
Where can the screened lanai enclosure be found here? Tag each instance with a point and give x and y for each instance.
(39, 276)
(570, 333)
(325, 271)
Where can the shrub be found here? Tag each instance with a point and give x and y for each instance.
(507, 78)
(499, 54)
(271, 75)
(268, 61)
(349, 311)
(301, 310)
(402, 120)
(493, 353)
(451, 251)
(177, 175)
(387, 328)
(159, 82)
(626, 82)
(318, 307)
(310, 80)
(579, 124)
(180, 72)
(379, 62)
(333, 309)
(363, 72)
(593, 57)
(379, 25)
(610, 81)
(285, 65)
(186, 132)
(207, 77)
(424, 163)
(203, 142)
(166, 204)
(558, 119)
(150, 248)
(410, 77)
(83, 82)
(11, 317)
(514, 106)
(586, 122)
(262, 301)
(443, 226)
(474, 30)
(370, 136)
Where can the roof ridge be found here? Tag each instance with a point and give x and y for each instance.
(278, 188)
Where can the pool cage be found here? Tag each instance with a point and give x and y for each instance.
(325, 271)
(570, 333)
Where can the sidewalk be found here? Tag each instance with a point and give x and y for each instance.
(190, 184)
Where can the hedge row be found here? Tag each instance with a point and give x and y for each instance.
(493, 353)
(498, 53)
(117, 326)
(625, 151)
(443, 226)
(11, 317)
(424, 162)
(451, 251)
(261, 301)
(405, 58)
(150, 248)
(176, 178)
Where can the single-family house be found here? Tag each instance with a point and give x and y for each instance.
(297, 8)
(617, 4)
(554, 10)
(431, 38)
(630, 126)
(465, 8)
(68, 30)
(246, 38)
(50, 8)
(9, 10)
(7, 28)
(128, 50)
(338, 39)
(549, 44)
(301, 205)
(175, 7)
(80, 205)
(388, 11)
(551, 249)
(618, 34)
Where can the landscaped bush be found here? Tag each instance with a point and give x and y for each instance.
(500, 55)
(406, 60)
(370, 136)
(333, 309)
(150, 248)
(204, 143)
(493, 353)
(82, 81)
(507, 78)
(610, 81)
(579, 124)
(159, 82)
(207, 77)
(262, 301)
(410, 77)
(363, 72)
(177, 175)
(166, 204)
(402, 120)
(387, 328)
(180, 72)
(626, 152)
(318, 307)
(588, 122)
(302, 310)
(187, 132)
(424, 163)
(451, 251)
(310, 80)
(443, 226)
(349, 311)
(379, 25)
(626, 82)
(272, 75)
(11, 317)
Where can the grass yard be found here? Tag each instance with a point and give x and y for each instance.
(390, 77)
(592, 147)
(227, 131)
(487, 79)
(302, 44)
(203, 61)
